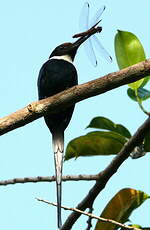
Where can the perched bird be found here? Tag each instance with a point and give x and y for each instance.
(56, 75)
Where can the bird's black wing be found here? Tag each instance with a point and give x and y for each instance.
(54, 77)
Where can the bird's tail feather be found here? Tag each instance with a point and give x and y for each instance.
(58, 145)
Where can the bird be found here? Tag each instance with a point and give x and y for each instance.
(56, 75)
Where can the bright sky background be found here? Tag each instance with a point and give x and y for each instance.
(30, 30)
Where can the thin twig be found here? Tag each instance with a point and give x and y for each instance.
(90, 215)
(48, 179)
(107, 173)
(73, 95)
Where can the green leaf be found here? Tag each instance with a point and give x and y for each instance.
(146, 79)
(134, 226)
(138, 226)
(129, 51)
(143, 94)
(120, 207)
(95, 143)
(105, 123)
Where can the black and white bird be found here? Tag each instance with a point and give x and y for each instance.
(56, 75)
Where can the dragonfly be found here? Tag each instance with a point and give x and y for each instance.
(93, 41)
(90, 31)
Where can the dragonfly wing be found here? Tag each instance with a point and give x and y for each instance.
(84, 17)
(96, 17)
(101, 49)
(84, 25)
(90, 52)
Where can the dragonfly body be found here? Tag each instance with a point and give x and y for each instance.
(90, 31)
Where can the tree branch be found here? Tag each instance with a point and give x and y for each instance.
(75, 94)
(106, 174)
(89, 221)
(48, 179)
(91, 215)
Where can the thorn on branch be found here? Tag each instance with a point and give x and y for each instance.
(30, 108)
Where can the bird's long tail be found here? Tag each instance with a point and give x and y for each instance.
(58, 145)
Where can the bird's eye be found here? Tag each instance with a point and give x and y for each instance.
(61, 47)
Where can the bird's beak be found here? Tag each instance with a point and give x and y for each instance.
(86, 35)
(81, 40)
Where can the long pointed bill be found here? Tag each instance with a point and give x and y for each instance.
(85, 35)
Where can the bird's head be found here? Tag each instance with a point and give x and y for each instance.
(69, 48)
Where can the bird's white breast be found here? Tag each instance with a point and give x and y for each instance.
(63, 57)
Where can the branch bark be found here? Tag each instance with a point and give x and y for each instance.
(73, 95)
(107, 173)
(110, 221)
(48, 179)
